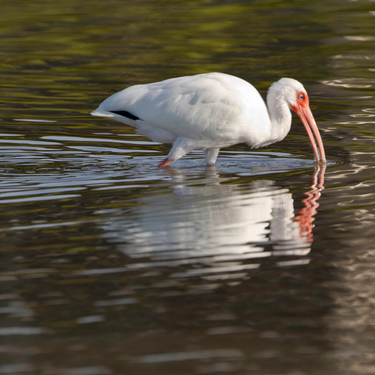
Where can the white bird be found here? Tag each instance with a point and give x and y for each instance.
(211, 111)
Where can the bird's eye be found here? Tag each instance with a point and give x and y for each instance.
(301, 96)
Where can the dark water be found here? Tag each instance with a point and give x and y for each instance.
(111, 266)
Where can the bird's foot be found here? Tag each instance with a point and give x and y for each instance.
(164, 163)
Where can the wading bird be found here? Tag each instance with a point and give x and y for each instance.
(211, 111)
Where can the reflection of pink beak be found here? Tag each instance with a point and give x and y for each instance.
(308, 121)
(305, 216)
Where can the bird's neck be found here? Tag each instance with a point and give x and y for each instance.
(280, 115)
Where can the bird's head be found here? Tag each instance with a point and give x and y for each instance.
(292, 92)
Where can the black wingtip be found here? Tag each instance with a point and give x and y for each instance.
(126, 114)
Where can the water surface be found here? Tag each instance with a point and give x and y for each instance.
(261, 265)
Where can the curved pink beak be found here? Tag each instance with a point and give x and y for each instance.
(308, 121)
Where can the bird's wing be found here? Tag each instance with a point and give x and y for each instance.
(194, 107)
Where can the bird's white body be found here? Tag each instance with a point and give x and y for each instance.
(205, 111)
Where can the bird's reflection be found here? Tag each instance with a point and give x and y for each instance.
(216, 226)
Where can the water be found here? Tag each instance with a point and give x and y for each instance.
(262, 265)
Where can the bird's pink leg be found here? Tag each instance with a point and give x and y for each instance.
(211, 155)
(164, 163)
(181, 146)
